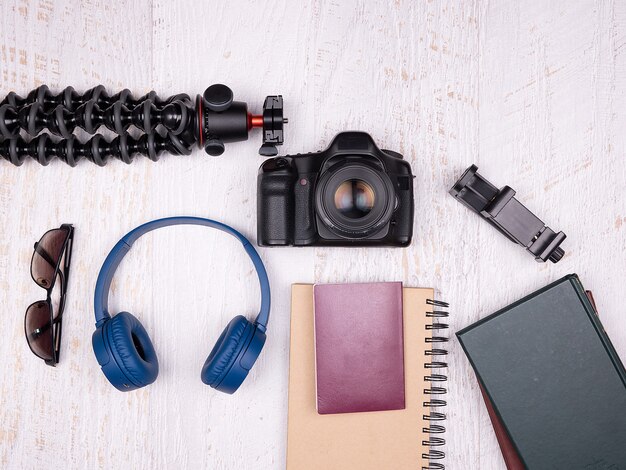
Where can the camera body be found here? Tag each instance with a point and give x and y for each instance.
(351, 194)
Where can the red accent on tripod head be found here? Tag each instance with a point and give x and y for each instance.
(255, 120)
(199, 117)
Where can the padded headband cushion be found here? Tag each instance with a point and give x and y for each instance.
(132, 349)
(225, 350)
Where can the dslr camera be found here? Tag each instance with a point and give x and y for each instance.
(351, 194)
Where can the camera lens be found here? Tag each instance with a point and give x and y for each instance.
(354, 198)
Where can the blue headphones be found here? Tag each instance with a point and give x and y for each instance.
(123, 347)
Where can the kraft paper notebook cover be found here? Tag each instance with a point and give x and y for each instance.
(553, 378)
(396, 439)
(359, 352)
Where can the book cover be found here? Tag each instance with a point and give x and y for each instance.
(553, 378)
(509, 453)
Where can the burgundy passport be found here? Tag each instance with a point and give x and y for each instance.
(359, 347)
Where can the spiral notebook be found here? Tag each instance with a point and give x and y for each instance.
(410, 438)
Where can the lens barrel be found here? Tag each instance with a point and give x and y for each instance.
(354, 199)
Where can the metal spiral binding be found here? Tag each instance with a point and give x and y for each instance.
(434, 428)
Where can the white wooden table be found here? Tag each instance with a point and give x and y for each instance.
(531, 92)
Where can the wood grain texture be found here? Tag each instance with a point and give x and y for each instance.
(532, 92)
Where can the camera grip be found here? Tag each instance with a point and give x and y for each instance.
(275, 209)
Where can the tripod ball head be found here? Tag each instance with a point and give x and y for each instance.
(221, 120)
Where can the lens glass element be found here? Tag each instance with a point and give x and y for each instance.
(47, 256)
(38, 326)
(354, 198)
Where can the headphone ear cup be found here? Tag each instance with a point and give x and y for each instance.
(235, 337)
(131, 351)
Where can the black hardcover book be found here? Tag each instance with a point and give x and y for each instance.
(554, 379)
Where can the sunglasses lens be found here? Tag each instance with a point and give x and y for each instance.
(47, 255)
(39, 330)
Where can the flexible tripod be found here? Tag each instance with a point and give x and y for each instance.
(171, 125)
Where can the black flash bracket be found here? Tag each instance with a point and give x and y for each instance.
(501, 209)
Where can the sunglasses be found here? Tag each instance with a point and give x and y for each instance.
(42, 322)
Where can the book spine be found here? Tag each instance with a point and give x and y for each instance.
(437, 390)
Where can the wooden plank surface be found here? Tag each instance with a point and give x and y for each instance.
(533, 93)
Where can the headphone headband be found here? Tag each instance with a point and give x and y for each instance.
(112, 261)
